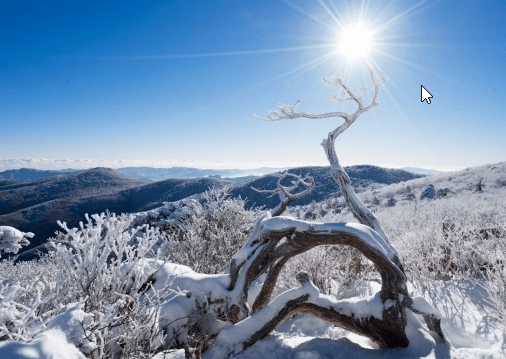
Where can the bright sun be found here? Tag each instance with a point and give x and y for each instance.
(355, 41)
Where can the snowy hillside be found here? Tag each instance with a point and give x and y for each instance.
(491, 177)
(35, 206)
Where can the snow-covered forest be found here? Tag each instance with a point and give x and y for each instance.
(409, 270)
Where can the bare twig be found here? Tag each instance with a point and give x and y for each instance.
(285, 193)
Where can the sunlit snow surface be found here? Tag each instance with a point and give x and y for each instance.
(467, 323)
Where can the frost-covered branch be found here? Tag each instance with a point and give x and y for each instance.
(285, 193)
(287, 112)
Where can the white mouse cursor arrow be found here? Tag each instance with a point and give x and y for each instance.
(426, 95)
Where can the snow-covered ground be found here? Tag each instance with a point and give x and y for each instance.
(470, 330)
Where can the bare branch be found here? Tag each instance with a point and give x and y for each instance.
(285, 193)
(287, 112)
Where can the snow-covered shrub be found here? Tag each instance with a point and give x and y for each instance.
(443, 192)
(500, 182)
(428, 192)
(11, 239)
(325, 211)
(428, 254)
(391, 202)
(479, 186)
(169, 217)
(209, 238)
(101, 266)
(334, 270)
(410, 196)
(496, 287)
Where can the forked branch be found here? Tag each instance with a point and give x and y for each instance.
(287, 112)
(286, 195)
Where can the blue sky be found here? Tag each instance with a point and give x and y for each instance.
(164, 83)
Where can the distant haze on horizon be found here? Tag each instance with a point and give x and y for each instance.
(59, 164)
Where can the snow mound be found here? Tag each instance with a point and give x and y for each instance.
(57, 341)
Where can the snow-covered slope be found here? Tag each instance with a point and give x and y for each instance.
(23, 194)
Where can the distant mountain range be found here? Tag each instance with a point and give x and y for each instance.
(160, 174)
(148, 174)
(36, 205)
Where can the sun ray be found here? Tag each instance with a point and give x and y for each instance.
(331, 14)
(298, 70)
(407, 122)
(400, 16)
(407, 63)
(363, 9)
(229, 53)
(336, 10)
(400, 44)
(224, 100)
(385, 9)
(312, 17)
(295, 71)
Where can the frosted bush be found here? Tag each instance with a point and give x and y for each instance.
(428, 192)
(391, 202)
(11, 239)
(208, 239)
(464, 254)
(101, 266)
(336, 271)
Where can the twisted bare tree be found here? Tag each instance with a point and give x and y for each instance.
(239, 301)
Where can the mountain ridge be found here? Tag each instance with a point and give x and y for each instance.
(35, 206)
